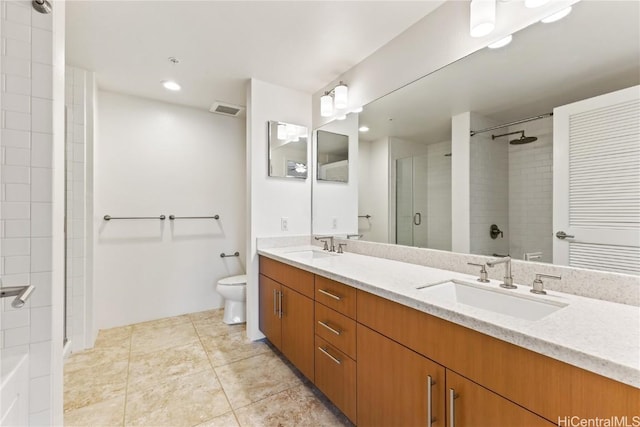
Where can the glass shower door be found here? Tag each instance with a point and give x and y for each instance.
(411, 201)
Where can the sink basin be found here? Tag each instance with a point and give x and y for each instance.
(494, 300)
(310, 254)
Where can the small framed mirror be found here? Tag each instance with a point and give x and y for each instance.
(333, 156)
(288, 145)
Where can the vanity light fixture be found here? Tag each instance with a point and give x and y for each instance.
(363, 128)
(531, 4)
(336, 99)
(501, 43)
(556, 16)
(482, 17)
(171, 85)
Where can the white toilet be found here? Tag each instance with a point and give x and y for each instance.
(234, 291)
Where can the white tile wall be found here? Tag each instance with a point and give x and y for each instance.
(25, 215)
(489, 171)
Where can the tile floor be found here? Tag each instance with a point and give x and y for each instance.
(190, 370)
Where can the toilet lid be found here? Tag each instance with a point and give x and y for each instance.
(234, 280)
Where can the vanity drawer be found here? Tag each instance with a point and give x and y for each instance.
(337, 329)
(336, 295)
(335, 376)
(294, 278)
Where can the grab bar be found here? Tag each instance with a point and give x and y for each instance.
(109, 217)
(223, 255)
(364, 216)
(172, 217)
(22, 294)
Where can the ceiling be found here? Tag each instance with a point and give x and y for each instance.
(595, 50)
(301, 45)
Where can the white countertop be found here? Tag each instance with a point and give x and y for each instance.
(599, 336)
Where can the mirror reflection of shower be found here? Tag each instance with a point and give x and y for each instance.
(512, 185)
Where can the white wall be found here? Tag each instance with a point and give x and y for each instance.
(154, 158)
(489, 181)
(270, 199)
(31, 99)
(373, 190)
(439, 195)
(338, 201)
(460, 183)
(531, 191)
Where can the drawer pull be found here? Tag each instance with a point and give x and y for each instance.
(430, 417)
(452, 407)
(329, 294)
(335, 359)
(335, 331)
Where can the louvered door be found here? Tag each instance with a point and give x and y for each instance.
(596, 182)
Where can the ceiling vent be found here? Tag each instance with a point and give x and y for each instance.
(227, 109)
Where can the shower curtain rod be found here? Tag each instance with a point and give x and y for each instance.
(541, 116)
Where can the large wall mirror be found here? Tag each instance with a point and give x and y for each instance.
(288, 145)
(506, 96)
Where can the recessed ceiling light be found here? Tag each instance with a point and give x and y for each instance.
(171, 85)
(357, 110)
(556, 16)
(501, 43)
(364, 129)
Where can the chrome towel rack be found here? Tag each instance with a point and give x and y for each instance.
(223, 255)
(364, 216)
(172, 217)
(109, 217)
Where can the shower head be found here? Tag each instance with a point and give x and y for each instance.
(42, 6)
(519, 141)
(523, 140)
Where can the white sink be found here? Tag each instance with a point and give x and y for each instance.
(310, 254)
(493, 299)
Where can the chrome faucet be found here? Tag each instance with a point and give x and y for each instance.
(326, 247)
(508, 278)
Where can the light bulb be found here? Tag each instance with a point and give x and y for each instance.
(501, 43)
(483, 17)
(556, 16)
(326, 105)
(341, 93)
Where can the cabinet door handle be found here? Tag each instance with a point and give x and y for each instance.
(335, 331)
(329, 294)
(452, 407)
(275, 302)
(335, 359)
(430, 417)
(280, 304)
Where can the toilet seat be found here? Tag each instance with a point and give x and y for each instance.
(234, 280)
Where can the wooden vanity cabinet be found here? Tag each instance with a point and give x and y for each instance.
(393, 384)
(287, 313)
(473, 405)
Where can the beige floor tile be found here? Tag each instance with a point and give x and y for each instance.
(150, 340)
(96, 356)
(255, 378)
(208, 314)
(226, 420)
(149, 369)
(114, 337)
(184, 401)
(225, 349)
(213, 325)
(161, 323)
(106, 413)
(294, 407)
(92, 385)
